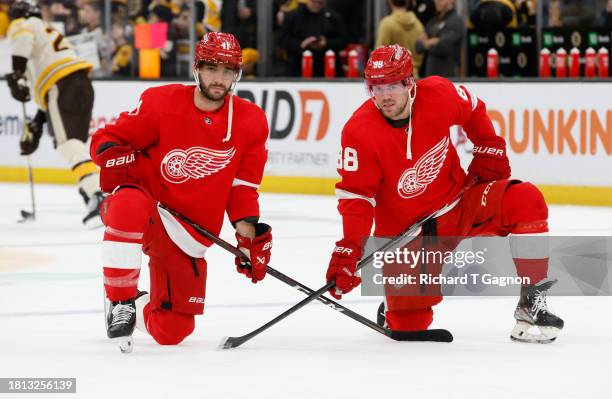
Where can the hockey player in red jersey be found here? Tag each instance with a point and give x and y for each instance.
(198, 150)
(397, 165)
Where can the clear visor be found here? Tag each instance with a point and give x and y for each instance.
(398, 87)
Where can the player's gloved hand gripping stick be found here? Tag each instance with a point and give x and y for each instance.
(441, 335)
(429, 335)
(26, 135)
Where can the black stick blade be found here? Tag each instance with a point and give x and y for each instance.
(26, 216)
(437, 335)
(231, 342)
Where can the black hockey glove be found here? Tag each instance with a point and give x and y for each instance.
(18, 84)
(32, 134)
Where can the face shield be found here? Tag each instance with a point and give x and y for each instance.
(394, 88)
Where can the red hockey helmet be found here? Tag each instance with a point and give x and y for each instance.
(218, 48)
(388, 64)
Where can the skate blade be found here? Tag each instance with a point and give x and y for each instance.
(529, 333)
(126, 344)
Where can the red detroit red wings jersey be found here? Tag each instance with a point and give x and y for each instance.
(394, 182)
(185, 158)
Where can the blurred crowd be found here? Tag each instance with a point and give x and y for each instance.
(433, 30)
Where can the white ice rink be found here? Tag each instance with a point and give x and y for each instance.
(51, 322)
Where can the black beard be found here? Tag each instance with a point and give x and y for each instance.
(209, 96)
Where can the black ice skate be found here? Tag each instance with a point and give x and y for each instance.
(534, 322)
(120, 323)
(92, 219)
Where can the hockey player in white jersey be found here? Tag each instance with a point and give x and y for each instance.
(45, 66)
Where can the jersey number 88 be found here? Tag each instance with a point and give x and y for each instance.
(347, 159)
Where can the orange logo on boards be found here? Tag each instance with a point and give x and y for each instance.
(555, 131)
(303, 114)
(315, 115)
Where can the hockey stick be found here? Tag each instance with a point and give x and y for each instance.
(427, 335)
(25, 215)
(232, 342)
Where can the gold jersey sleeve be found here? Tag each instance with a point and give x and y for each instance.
(50, 56)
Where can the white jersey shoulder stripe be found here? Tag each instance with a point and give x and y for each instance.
(473, 98)
(343, 194)
(239, 182)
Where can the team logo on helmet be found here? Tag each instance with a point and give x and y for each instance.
(179, 166)
(218, 47)
(415, 180)
(388, 64)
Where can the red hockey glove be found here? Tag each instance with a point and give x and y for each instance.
(490, 160)
(259, 251)
(117, 166)
(343, 268)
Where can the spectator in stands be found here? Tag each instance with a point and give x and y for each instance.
(90, 16)
(122, 56)
(352, 13)
(554, 14)
(493, 14)
(134, 8)
(119, 12)
(423, 9)
(280, 55)
(163, 14)
(282, 7)
(312, 27)
(401, 27)
(606, 16)
(250, 58)
(181, 21)
(212, 15)
(526, 12)
(441, 41)
(4, 18)
(579, 13)
(238, 18)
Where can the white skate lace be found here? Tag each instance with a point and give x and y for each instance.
(122, 314)
(539, 304)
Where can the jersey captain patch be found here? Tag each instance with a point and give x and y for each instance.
(179, 166)
(414, 180)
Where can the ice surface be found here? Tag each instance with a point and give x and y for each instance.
(51, 322)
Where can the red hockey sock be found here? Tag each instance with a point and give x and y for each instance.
(534, 269)
(526, 211)
(126, 215)
(121, 284)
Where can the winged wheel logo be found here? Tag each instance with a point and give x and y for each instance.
(416, 179)
(179, 166)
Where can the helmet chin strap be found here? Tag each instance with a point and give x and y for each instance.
(196, 77)
(230, 115)
(411, 98)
